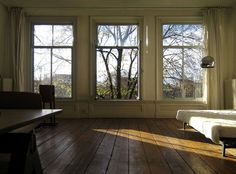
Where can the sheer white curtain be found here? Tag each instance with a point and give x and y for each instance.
(215, 22)
(17, 46)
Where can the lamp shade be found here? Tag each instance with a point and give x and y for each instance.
(208, 62)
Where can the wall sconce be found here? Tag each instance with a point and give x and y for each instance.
(208, 62)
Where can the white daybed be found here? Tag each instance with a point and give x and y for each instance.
(218, 125)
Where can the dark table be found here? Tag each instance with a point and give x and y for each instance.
(22, 146)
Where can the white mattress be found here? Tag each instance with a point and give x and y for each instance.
(212, 123)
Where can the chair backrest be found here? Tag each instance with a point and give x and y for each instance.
(20, 100)
(47, 93)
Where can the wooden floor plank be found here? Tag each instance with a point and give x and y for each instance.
(174, 160)
(137, 158)
(119, 158)
(101, 159)
(192, 159)
(210, 153)
(114, 146)
(66, 157)
(76, 130)
(156, 161)
(48, 132)
(88, 149)
(66, 130)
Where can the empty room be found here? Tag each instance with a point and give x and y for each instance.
(117, 86)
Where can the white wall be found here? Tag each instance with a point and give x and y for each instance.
(83, 104)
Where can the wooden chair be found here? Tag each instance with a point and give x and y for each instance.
(47, 93)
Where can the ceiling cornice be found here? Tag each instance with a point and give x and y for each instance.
(118, 3)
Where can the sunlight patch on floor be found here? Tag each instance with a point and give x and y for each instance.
(185, 145)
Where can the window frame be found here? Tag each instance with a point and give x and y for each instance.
(176, 20)
(95, 21)
(54, 21)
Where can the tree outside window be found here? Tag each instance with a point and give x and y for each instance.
(182, 53)
(117, 59)
(52, 57)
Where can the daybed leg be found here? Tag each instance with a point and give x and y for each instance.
(184, 125)
(223, 149)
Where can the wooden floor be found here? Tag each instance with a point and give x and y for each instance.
(127, 146)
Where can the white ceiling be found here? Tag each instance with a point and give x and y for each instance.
(119, 3)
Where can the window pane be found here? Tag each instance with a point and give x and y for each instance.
(42, 35)
(61, 72)
(193, 35)
(52, 50)
(117, 73)
(42, 67)
(117, 35)
(182, 74)
(172, 35)
(182, 35)
(172, 65)
(192, 61)
(117, 66)
(182, 53)
(62, 35)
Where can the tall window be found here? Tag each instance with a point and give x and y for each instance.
(182, 52)
(52, 57)
(117, 61)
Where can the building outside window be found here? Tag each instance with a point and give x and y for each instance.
(117, 61)
(52, 51)
(182, 50)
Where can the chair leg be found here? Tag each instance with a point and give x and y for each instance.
(52, 121)
(223, 149)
